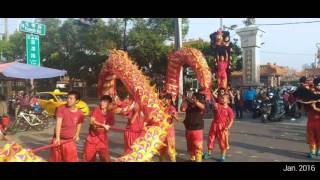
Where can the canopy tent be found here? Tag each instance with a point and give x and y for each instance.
(26, 71)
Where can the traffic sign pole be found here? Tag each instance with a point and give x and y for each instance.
(33, 42)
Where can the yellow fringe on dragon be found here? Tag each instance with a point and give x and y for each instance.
(138, 85)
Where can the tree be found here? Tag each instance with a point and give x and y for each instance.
(165, 27)
(147, 42)
(15, 49)
(5, 50)
(80, 48)
(114, 30)
(50, 44)
(204, 47)
(237, 62)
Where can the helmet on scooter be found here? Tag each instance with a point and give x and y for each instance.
(291, 90)
(270, 94)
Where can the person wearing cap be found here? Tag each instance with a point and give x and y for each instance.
(285, 96)
(274, 107)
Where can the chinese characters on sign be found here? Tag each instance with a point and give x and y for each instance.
(33, 28)
(248, 66)
(32, 40)
(33, 49)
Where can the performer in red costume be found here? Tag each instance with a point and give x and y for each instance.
(220, 126)
(170, 141)
(111, 86)
(220, 42)
(308, 97)
(313, 131)
(97, 139)
(222, 64)
(134, 127)
(313, 124)
(69, 121)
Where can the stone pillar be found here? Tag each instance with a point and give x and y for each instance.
(250, 37)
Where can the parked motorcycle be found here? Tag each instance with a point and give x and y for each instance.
(257, 109)
(268, 117)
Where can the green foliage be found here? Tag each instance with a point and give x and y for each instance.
(81, 49)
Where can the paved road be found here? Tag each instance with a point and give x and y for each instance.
(250, 141)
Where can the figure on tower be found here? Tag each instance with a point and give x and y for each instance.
(223, 63)
(222, 49)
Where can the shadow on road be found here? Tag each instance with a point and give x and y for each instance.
(273, 136)
(281, 152)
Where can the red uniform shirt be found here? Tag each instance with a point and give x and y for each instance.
(313, 115)
(69, 121)
(222, 68)
(100, 118)
(138, 122)
(223, 114)
(171, 110)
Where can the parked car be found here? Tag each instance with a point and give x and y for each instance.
(49, 101)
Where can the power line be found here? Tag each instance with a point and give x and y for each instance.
(276, 24)
(271, 24)
(286, 53)
(10, 23)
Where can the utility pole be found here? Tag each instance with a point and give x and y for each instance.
(317, 58)
(125, 35)
(1, 38)
(316, 61)
(221, 24)
(178, 45)
(6, 31)
(5, 36)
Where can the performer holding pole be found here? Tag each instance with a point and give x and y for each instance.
(69, 120)
(134, 126)
(97, 139)
(170, 139)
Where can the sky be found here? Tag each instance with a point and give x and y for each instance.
(289, 45)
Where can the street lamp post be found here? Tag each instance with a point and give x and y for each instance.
(178, 45)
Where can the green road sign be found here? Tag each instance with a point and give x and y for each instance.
(33, 28)
(33, 49)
